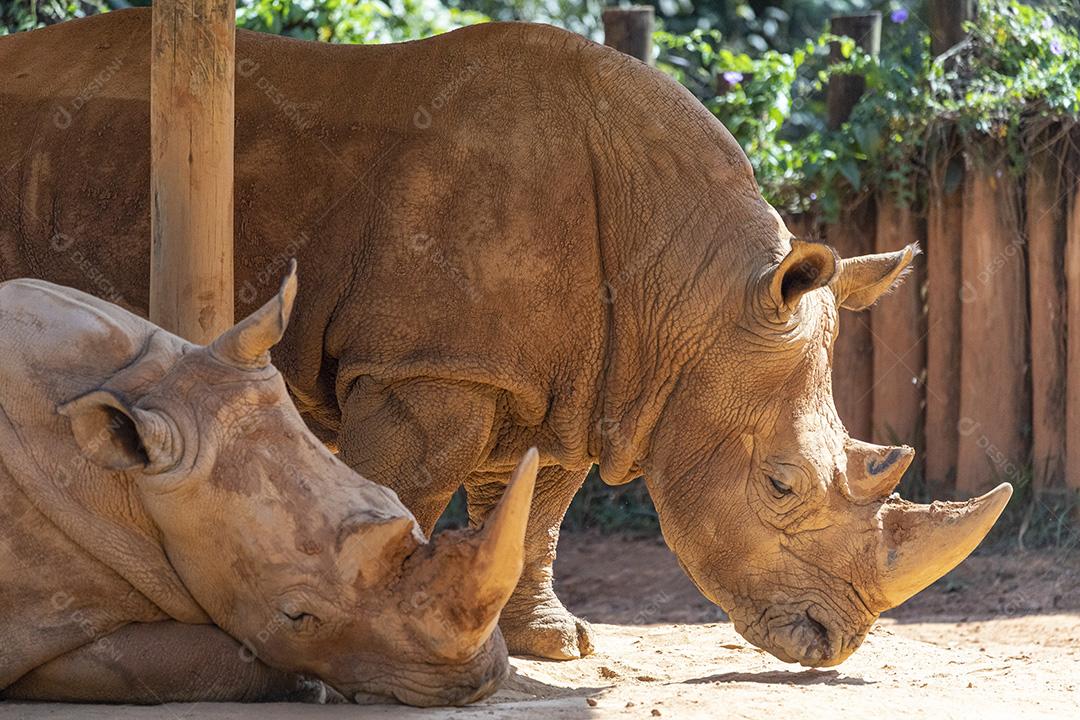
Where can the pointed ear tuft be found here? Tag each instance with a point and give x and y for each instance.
(807, 267)
(117, 436)
(862, 280)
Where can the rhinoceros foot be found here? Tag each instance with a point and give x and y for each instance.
(546, 630)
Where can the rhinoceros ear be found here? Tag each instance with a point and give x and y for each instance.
(118, 436)
(807, 267)
(860, 281)
(247, 344)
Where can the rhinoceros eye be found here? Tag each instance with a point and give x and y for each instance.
(780, 489)
(301, 621)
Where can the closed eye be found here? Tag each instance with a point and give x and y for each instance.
(780, 489)
(302, 622)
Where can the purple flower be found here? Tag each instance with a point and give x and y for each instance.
(813, 196)
(899, 15)
(1047, 23)
(733, 77)
(1055, 47)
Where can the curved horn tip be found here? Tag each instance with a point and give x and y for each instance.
(287, 292)
(922, 543)
(513, 508)
(501, 552)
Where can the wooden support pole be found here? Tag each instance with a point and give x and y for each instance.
(899, 337)
(853, 353)
(852, 235)
(1046, 228)
(191, 166)
(947, 18)
(1072, 302)
(630, 30)
(994, 396)
(944, 229)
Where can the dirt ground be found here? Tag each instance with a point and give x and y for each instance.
(998, 637)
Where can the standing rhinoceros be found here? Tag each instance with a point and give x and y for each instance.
(514, 237)
(170, 529)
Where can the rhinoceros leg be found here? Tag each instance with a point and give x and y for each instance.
(165, 661)
(534, 621)
(420, 438)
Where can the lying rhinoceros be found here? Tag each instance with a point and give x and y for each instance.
(170, 529)
(514, 237)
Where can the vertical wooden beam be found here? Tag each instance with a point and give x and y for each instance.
(899, 336)
(630, 30)
(945, 221)
(1046, 229)
(191, 166)
(853, 354)
(853, 235)
(1072, 302)
(994, 397)
(947, 18)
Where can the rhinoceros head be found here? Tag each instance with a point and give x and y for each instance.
(313, 568)
(773, 510)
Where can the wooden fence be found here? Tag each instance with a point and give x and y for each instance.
(970, 360)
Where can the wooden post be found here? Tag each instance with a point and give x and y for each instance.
(630, 30)
(1046, 228)
(899, 336)
(1072, 302)
(191, 166)
(845, 90)
(852, 235)
(947, 18)
(945, 221)
(853, 354)
(994, 400)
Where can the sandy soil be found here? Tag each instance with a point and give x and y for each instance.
(998, 637)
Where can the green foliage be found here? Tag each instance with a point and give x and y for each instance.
(1019, 73)
(19, 15)
(751, 26)
(580, 16)
(352, 21)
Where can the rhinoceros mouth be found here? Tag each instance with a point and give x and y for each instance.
(448, 695)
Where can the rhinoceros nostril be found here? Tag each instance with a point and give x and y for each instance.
(819, 648)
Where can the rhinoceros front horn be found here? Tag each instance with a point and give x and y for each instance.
(500, 553)
(247, 344)
(920, 543)
(480, 568)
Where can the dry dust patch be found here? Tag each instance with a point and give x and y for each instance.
(707, 671)
(997, 638)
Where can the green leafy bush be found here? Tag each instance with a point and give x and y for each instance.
(1017, 75)
(353, 21)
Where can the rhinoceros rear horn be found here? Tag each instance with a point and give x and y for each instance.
(247, 344)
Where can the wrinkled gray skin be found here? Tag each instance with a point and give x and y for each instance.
(512, 237)
(171, 531)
